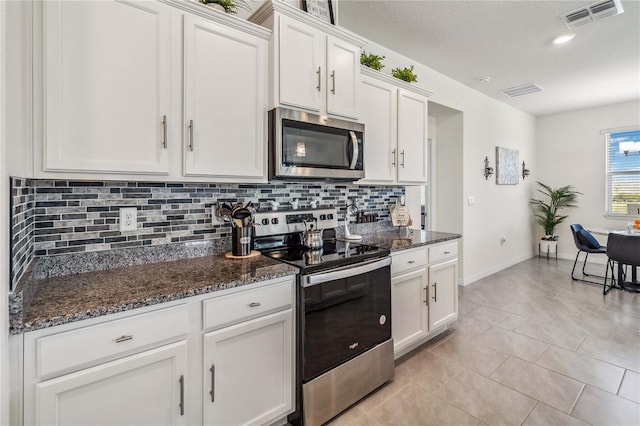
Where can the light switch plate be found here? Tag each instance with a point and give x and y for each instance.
(471, 201)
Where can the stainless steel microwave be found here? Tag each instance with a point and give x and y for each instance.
(304, 146)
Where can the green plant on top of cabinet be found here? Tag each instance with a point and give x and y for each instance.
(316, 66)
(396, 119)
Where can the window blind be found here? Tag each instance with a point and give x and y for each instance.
(623, 171)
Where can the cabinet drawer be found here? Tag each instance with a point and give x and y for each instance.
(408, 260)
(442, 252)
(236, 307)
(78, 347)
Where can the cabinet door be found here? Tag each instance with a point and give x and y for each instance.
(443, 290)
(142, 389)
(302, 76)
(343, 78)
(412, 137)
(106, 86)
(249, 371)
(408, 308)
(225, 84)
(379, 111)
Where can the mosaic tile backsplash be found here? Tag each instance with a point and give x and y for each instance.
(79, 216)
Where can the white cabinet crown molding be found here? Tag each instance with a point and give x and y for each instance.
(229, 20)
(264, 13)
(364, 70)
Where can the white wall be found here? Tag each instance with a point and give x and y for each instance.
(571, 151)
(500, 210)
(4, 231)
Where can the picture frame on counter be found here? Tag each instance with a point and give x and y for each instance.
(321, 9)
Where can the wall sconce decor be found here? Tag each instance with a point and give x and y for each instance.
(488, 170)
(525, 172)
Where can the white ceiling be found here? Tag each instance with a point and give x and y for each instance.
(510, 41)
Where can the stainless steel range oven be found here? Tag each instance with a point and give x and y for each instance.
(344, 313)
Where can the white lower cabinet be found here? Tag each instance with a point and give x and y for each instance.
(141, 389)
(248, 371)
(225, 358)
(424, 294)
(408, 308)
(442, 293)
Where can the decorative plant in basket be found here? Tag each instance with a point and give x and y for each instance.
(371, 60)
(555, 200)
(405, 74)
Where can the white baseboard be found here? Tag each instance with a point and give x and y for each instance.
(497, 268)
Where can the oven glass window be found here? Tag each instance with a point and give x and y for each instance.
(344, 318)
(312, 145)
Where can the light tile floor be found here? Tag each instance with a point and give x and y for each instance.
(531, 347)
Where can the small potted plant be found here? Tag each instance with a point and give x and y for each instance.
(372, 61)
(405, 74)
(547, 214)
(229, 6)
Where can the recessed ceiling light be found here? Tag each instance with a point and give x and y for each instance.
(563, 38)
(484, 80)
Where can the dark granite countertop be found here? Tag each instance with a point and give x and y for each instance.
(62, 289)
(402, 239)
(62, 299)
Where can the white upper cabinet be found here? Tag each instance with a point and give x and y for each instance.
(343, 80)
(412, 137)
(147, 90)
(379, 112)
(106, 86)
(396, 122)
(225, 91)
(301, 77)
(315, 66)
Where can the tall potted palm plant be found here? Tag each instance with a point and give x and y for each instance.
(548, 209)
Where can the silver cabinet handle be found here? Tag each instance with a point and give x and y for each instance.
(191, 135)
(426, 295)
(435, 292)
(393, 157)
(124, 338)
(212, 392)
(164, 131)
(447, 252)
(402, 153)
(254, 304)
(181, 395)
(411, 262)
(319, 79)
(333, 79)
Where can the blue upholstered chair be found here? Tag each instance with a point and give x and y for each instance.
(625, 251)
(587, 243)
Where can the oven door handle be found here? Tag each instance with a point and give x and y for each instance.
(345, 272)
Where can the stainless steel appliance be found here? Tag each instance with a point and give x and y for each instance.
(308, 146)
(344, 312)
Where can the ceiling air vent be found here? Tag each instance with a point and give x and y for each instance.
(524, 89)
(593, 12)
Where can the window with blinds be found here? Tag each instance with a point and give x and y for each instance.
(623, 172)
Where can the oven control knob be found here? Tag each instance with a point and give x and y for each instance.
(323, 217)
(274, 221)
(330, 216)
(265, 221)
(383, 319)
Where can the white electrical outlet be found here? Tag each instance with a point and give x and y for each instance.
(128, 219)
